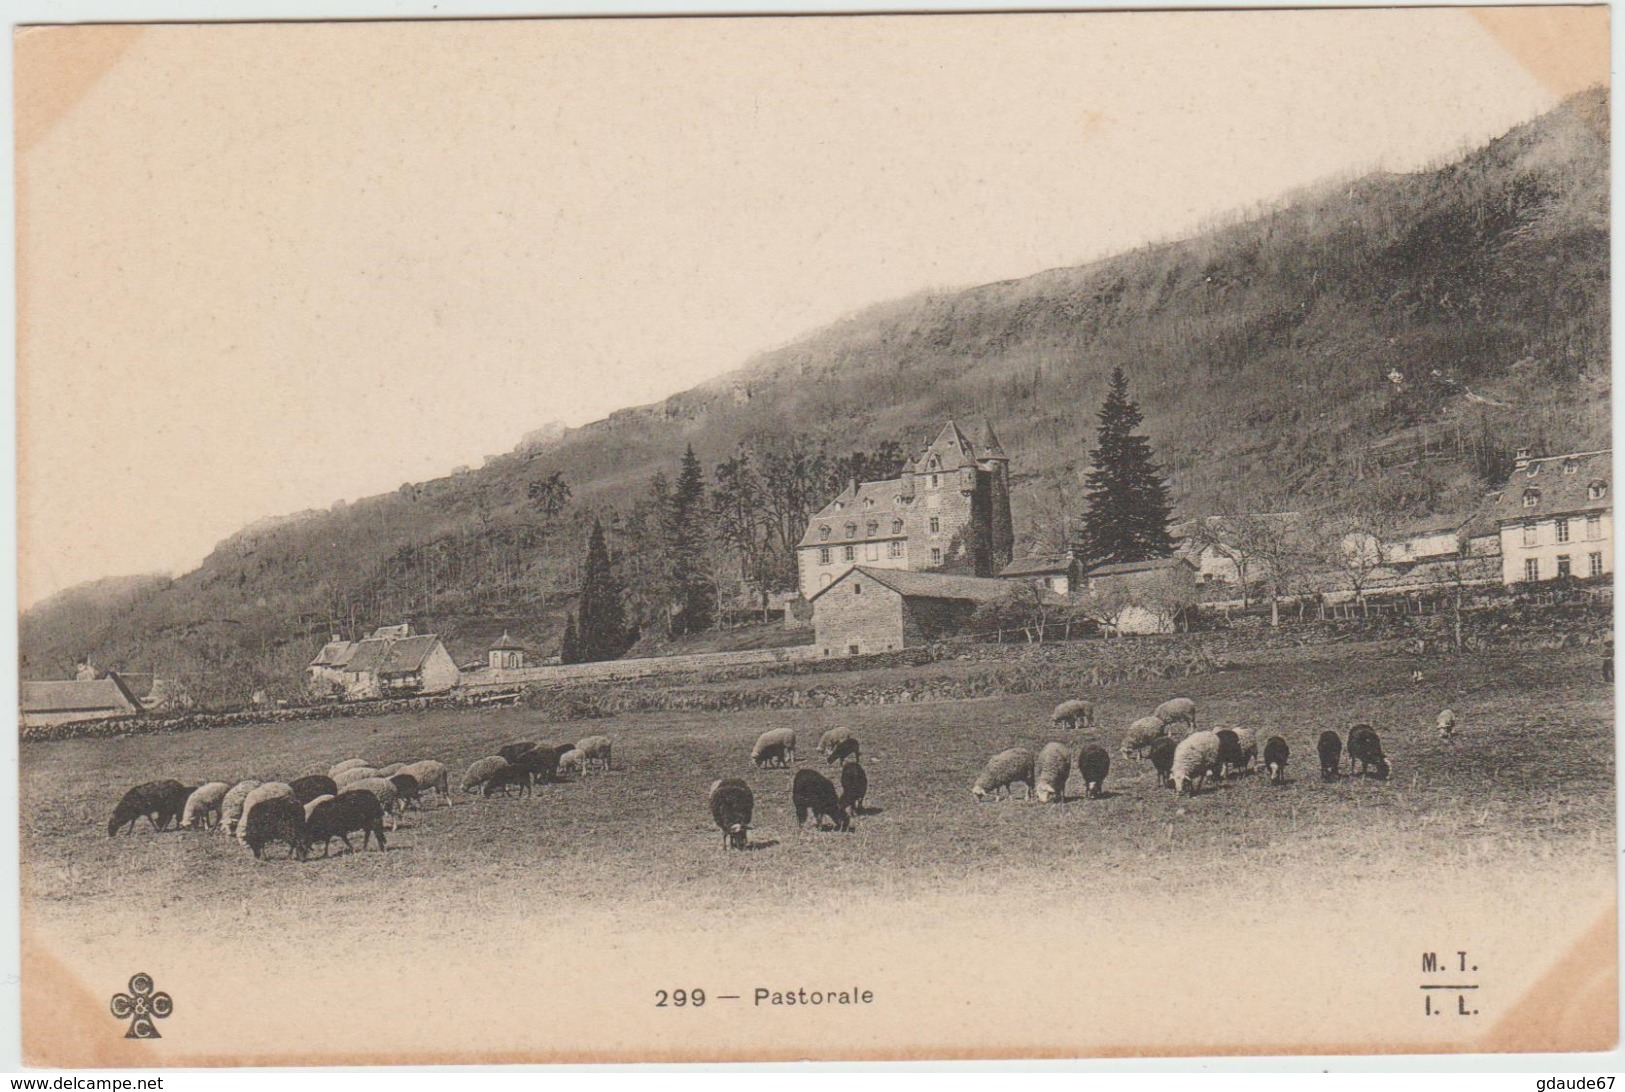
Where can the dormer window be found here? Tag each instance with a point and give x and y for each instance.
(868, 502)
(851, 530)
(1571, 466)
(1596, 490)
(823, 534)
(1531, 497)
(896, 526)
(874, 528)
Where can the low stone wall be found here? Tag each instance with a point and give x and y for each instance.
(564, 674)
(192, 722)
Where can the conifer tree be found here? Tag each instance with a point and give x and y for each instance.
(601, 633)
(688, 527)
(1128, 512)
(569, 650)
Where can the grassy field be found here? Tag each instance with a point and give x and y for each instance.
(1530, 776)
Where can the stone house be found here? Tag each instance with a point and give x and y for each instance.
(949, 511)
(1058, 573)
(1556, 518)
(391, 661)
(1145, 596)
(867, 610)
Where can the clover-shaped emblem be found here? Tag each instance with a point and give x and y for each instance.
(140, 1006)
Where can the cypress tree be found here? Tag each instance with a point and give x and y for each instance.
(1128, 512)
(688, 528)
(569, 647)
(601, 633)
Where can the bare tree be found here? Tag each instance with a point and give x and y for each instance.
(1353, 544)
(1239, 538)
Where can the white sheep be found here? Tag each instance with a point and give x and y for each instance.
(1051, 769)
(431, 775)
(480, 772)
(833, 739)
(1076, 713)
(1142, 734)
(1177, 709)
(270, 790)
(391, 770)
(777, 743)
(231, 805)
(337, 768)
(1193, 761)
(388, 797)
(595, 751)
(352, 775)
(571, 761)
(203, 804)
(1447, 724)
(1003, 770)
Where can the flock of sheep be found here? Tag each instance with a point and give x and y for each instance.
(812, 794)
(1183, 764)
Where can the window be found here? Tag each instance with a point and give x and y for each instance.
(868, 502)
(851, 530)
(1562, 530)
(936, 525)
(851, 650)
(872, 551)
(1049, 583)
(1594, 526)
(933, 481)
(823, 533)
(1570, 466)
(1531, 570)
(857, 589)
(1597, 490)
(896, 526)
(936, 555)
(1530, 534)
(823, 555)
(874, 528)
(1596, 564)
(894, 549)
(849, 553)
(823, 581)
(1563, 567)
(1531, 497)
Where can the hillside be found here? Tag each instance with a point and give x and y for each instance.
(1260, 352)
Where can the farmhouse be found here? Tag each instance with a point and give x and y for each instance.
(1556, 518)
(390, 661)
(868, 610)
(64, 701)
(949, 510)
(1149, 595)
(1052, 572)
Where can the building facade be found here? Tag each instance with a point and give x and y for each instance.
(867, 610)
(1058, 573)
(948, 511)
(1556, 518)
(391, 661)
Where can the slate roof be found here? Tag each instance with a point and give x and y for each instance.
(885, 506)
(916, 585)
(506, 644)
(1122, 568)
(334, 654)
(1038, 566)
(407, 655)
(109, 696)
(1558, 490)
(368, 656)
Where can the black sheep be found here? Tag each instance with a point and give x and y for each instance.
(406, 789)
(509, 775)
(512, 751)
(1230, 756)
(543, 764)
(1276, 753)
(732, 803)
(348, 812)
(854, 786)
(159, 801)
(1094, 763)
(279, 820)
(814, 793)
(1162, 758)
(1366, 749)
(847, 748)
(1331, 755)
(306, 789)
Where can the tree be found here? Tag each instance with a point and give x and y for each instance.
(739, 510)
(1026, 606)
(570, 644)
(1051, 508)
(549, 495)
(1284, 546)
(1353, 546)
(688, 531)
(602, 632)
(1128, 512)
(1239, 539)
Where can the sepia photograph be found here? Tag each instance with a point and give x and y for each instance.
(870, 537)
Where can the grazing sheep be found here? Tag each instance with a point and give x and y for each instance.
(204, 804)
(1447, 724)
(1094, 763)
(1276, 753)
(159, 801)
(543, 765)
(595, 752)
(1003, 770)
(1331, 755)
(812, 792)
(511, 751)
(1229, 752)
(1247, 740)
(306, 789)
(270, 790)
(337, 768)
(847, 748)
(480, 772)
(1162, 759)
(406, 790)
(281, 819)
(351, 776)
(508, 775)
(1196, 756)
(344, 815)
(1142, 734)
(387, 772)
(732, 804)
(1177, 709)
(310, 807)
(775, 747)
(1050, 770)
(431, 775)
(231, 805)
(854, 786)
(1366, 749)
(833, 739)
(570, 762)
(384, 791)
(1076, 713)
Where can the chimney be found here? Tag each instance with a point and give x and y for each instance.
(1522, 459)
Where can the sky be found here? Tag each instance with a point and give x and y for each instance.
(263, 268)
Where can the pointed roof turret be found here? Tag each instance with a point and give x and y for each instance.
(989, 447)
(505, 644)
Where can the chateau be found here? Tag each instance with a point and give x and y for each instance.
(949, 511)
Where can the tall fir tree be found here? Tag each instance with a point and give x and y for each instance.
(601, 633)
(569, 646)
(688, 529)
(1127, 512)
